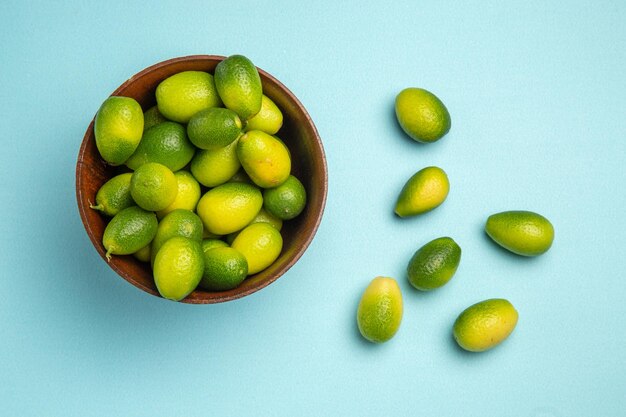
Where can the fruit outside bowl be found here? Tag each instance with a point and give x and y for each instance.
(308, 164)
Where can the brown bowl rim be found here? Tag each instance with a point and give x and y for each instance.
(214, 297)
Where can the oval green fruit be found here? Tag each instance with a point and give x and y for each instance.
(118, 128)
(380, 310)
(239, 85)
(114, 195)
(153, 186)
(214, 128)
(130, 230)
(178, 267)
(434, 264)
(269, 119)
(152, 117)
(187, 196)
(265, 159)
(182, 95)
(422, 115)
(287, 200)
(229, 207)
(224, 269)
(165, 143)
(215, 167)
(485, 325)
(179, 222)
(522, 232)
(261, 244)
(426, 190)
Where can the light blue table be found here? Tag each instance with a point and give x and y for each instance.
(537, 94)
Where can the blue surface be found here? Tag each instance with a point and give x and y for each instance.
(537, 95)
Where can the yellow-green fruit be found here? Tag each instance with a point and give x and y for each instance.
(114, 195)
(485, 325)
(422, 115)
(184, 94)
(178, 223)
(208, 244)
(240, 175)
(261, 244)
(153, 186)
(434, 264)
(130, 230)
(143, 254)
(263, 216)
(118, 128)
(214, 128)
(178, 267)
(215, 167)
(380, 310)
(522, 232)
(239, 85)
(152, 117)
(224, 269)
(187, 196)
(265, 159)
(229, 207)
(269, 119)
(287, 200)
(424, 191)
(165, 143)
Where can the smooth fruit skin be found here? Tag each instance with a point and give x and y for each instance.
(224, 269)
(178, 268)
(434, 264)
(182, 95)
(265, 159)
(177, 223)
(153, 186)
(215, 167)
(229, 207)
(269, 119)
(380, 310)
(287, 200)
(522, 232)
(118, 128)
(239, 86)
(187, 196)
(485, 325)
(114, 195)
(214, 128)
(165, 143)
(422, 115)
(152, 117)
(261, 244)
(426, 190)
(130, 230)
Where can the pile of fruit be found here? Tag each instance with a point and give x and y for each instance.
(487, 323)
(204, 183)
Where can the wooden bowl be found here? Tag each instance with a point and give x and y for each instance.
(308, 164)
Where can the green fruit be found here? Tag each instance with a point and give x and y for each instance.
(422, 115)
(265, 159)
(263, 216)
(143, 254)
(287, 200)
(114, 195)
(269, 119)
(165, 143)
(178, 223)
(380, 310)
(522, 232)
(261, 244)
(118, 128)
(426, 190)
(152, 117)
(229, 207)
(485, 325)
(153, 186)
(178, 267)
(130, 230)
(187, 196)
(239, 86)
(215, 167)
(224, 269)
(214, 128)
(240, 176)
(208, 244)
(434, 264)
(184, 94)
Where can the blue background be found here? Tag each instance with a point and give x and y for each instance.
(537, 95)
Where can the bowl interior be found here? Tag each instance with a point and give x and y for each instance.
(308, 165)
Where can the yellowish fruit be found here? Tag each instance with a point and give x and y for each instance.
(380, 310)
